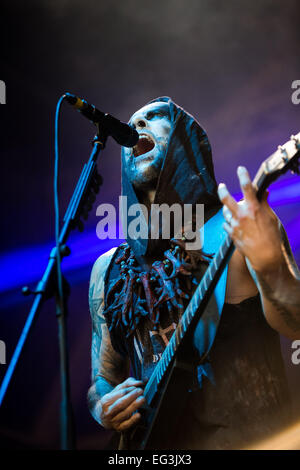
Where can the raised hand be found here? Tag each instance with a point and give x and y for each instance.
(252, 225)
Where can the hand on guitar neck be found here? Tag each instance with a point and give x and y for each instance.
(261, 240)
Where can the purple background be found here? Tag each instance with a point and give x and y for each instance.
(230, 64)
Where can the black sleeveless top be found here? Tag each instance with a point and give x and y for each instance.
(243, 398)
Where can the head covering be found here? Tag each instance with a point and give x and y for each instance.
(187, 174)
(149, 276)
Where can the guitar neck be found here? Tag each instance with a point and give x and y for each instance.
(194, 309)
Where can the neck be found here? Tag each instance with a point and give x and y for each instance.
(151, 195)
(147, 198)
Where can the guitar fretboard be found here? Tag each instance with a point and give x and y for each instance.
(206, 284)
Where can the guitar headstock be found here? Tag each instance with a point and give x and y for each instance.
(285, 158)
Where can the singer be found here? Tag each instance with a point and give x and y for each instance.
(139, 290)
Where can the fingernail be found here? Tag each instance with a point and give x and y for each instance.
(222, 191)
(241, 168)
(243, 175)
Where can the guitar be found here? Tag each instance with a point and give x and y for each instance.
(171, 370)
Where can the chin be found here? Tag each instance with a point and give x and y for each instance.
(145, 178)
(144, 169)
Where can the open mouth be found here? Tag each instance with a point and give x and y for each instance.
(144, 145)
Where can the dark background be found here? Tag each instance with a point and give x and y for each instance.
(230, 64)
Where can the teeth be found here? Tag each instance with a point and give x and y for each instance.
(146, 136)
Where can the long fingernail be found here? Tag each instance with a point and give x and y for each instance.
(222, 191)
(243, 175)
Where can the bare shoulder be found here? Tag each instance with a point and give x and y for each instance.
(101, 264)
(96, 288)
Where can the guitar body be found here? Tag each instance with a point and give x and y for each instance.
(163, 416)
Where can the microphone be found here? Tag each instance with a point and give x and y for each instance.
(124, 134)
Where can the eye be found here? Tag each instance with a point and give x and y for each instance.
(151, 115)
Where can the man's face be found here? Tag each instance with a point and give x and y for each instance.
(144, 161)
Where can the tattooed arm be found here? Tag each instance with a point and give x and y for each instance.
(261, 239)
(280, 291)
(112, 397)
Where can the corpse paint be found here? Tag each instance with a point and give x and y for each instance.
(119, 460)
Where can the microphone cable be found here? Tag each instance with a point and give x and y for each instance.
(56, 202)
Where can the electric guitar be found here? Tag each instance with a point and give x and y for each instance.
(171, 370)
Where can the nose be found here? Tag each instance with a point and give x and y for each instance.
(139, 122)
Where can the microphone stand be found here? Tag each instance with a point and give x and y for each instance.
(80, 204)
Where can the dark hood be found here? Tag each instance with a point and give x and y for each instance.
(187, 174)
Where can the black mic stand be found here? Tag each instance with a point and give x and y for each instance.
(80, 204)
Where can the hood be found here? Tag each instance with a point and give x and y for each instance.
(186, 177)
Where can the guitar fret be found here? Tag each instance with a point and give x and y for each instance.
(183, 320)
(190, 311)
(187, 319)
(201, 291)
(221, 251)
(170, 351)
